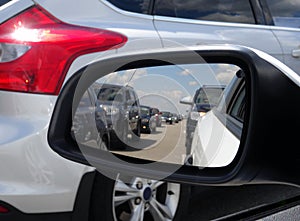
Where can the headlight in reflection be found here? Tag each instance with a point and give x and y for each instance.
(145, 120)
(110, 110)
(202, 114)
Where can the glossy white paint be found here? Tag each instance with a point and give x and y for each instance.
(33, 177)
(213, 144)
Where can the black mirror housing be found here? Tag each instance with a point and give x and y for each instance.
(268, 150)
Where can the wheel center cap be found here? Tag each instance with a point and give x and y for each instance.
(147, 193)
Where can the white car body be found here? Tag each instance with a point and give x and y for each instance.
(213, 144)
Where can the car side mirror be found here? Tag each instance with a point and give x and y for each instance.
(234, 143)
(187, 100)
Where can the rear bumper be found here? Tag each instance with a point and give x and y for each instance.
(15, 214)
(79, 213)
(34, 179)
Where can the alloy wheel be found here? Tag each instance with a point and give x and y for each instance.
(145, 200)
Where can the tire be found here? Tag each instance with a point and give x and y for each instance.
(120, 139)
(107, 203)
(149, 131)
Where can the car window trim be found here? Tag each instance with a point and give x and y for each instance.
(233, 125)
(258, 12)
(234, 99)
(151, 7)
(267, 13)
(160, 18)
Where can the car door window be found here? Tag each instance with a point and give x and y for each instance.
(3, 2)
(210, 10)
(285, 13)
(139, 6)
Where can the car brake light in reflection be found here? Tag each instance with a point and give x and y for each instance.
(3, 209)
(37, 49)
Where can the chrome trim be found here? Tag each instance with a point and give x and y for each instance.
(281, 28)
(210, 23)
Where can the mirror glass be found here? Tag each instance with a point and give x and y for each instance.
(184, 114)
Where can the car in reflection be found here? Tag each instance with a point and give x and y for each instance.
(89, 122)
(180, 117)
(148, 120)
(175, 117)
(205, 98)
(167, 117)
(122, 108)
(231, 106)
(155, 111)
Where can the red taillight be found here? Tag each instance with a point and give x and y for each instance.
(36, 50)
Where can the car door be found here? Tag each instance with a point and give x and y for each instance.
(189, 22)
(285, 17)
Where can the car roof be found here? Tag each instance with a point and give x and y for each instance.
(145, 106)
(213, 86)
(105, 85)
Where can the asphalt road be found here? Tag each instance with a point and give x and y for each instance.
(166, 144)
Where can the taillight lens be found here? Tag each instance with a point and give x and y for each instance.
(36, 50)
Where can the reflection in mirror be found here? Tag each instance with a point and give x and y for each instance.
(175, 113)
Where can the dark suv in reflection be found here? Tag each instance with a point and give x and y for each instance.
(89, 121)
(148, 121)
(167, 117)
(122, 108)
(205, 98)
